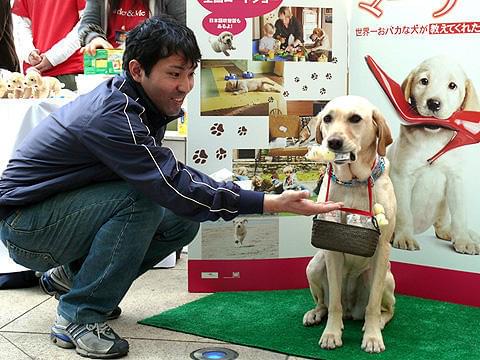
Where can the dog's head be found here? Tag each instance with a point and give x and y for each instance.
(231, 85)
(317, 33)
(15, 81)
(226, 38)
(352, 125)
(240, 223)
(33, 79)
(438, 87)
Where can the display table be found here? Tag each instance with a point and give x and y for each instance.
(18, 117)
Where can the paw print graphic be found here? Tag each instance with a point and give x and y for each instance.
(242, 131)
(323, 91)
(217, 129)
(296, 79)
(328, 76)
(334, 60)
(200, 156)
(286, 93)
(221, 153)
(314, 76)
(270, 99)
(304, 88)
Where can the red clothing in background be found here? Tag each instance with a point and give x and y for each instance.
(51, 21)
(128, 14)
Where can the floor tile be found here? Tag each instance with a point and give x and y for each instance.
(19, 301)
(10, 351)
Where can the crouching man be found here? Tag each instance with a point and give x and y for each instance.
(92, 198)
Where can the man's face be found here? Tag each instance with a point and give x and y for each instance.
(170, 80)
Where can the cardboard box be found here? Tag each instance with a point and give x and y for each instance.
(105, 61)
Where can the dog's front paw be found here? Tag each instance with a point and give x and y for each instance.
(373, 342)
(331, 339)
(405, 243)
(313, 317)
(467, 245)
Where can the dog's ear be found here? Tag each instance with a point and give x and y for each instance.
(407, 86)
(384, 134)
(246, 221)
(318, 130)
(470, 102)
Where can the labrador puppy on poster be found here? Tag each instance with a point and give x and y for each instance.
(432, 194)
(223, 43)
(243, 86)
(344, 285)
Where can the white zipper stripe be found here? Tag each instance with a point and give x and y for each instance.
(176, 163)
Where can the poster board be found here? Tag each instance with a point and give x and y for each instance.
(233, 131)
(399, 36)
(243, 132)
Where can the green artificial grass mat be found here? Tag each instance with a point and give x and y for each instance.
(272, 320)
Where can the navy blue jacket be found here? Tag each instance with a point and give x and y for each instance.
(113, 133)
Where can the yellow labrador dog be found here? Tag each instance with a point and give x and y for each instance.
(344, 285)
(223, 43)
(432, 194)
(243, 86)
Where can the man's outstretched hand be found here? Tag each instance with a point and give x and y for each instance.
(297, 202)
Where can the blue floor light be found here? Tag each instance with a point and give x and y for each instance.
(214, 354)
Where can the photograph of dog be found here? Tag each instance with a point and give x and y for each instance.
(240, 231)
(295, 126)
(281, 35)
(346, 286)
(255, 237)
(432, 194)
(223, 43)
(242, 86)
(320, 46)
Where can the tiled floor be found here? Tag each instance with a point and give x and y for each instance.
(27, 314)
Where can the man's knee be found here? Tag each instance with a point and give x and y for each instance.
(191, 232)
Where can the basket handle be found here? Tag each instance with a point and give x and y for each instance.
(352, 210)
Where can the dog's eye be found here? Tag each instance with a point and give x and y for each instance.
(355, 119)
(452, 86)
(424, 81)
(327, 118)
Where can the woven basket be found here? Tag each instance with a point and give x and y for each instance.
(345, 238)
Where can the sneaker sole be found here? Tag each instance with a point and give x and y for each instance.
(66, 342)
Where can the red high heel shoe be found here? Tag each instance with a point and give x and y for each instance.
(465, 124)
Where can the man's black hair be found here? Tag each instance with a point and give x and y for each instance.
(159, 37)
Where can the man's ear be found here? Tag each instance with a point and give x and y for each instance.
(136, 70)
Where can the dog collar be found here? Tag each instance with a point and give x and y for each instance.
(377, 170)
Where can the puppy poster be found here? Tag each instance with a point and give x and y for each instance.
(417, 62)
(267, 68)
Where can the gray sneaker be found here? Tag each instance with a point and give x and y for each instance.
(56, 282)
(95, 341)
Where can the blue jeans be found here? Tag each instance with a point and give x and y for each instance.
(106, 234)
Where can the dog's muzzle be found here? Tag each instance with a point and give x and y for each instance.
(335, 144)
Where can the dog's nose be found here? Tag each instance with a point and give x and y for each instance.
(433, 104)
(335, 143)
